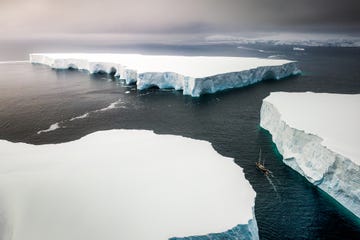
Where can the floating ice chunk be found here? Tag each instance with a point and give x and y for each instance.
(52, 127)
(85, 115)
(252, 49)
(193, 75)
(103, 186)
(298, 49)
(318, 136)
(111, 106)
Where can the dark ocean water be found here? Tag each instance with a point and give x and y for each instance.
(33, 97)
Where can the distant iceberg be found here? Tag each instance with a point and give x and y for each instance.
(193, 75)
(318, 136)
(122, 184)
(290, 39)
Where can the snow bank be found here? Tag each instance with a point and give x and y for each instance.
(104, 187)
(193, 75)
(318, 136)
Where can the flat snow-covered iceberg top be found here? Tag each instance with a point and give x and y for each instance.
(193, 75)
(333, 117)
(121, 184)
(318, 136)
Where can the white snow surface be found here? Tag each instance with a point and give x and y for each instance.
(318, 136)
(333, 117)
(195, 67)
(194, 75)
(120, 184)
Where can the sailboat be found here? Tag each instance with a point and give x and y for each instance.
(261, 166)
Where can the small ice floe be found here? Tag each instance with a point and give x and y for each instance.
(251, 49)
(298, 49)
(80, 117)
(52, 127)
(111, 106)
(276, 56)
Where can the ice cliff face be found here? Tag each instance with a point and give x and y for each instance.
(118, 70)
(244, 78)
(193, 75)
(315, 155)
(212, 84)
(242, 231)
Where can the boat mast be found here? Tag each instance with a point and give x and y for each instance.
(259, 161)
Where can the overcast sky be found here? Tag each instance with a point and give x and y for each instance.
(145, 19)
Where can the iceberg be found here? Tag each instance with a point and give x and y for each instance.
(288, 39)
(318, 136)
(193, 75)
(123, 184)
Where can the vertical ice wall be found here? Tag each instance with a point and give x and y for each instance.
(238, 73)
(305, 129)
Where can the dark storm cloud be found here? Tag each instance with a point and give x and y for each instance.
(310, 13)
(48, 18)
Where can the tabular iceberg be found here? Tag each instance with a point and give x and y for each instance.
(103, 186)
(318, 136)
(295, 39)
(193, 75)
